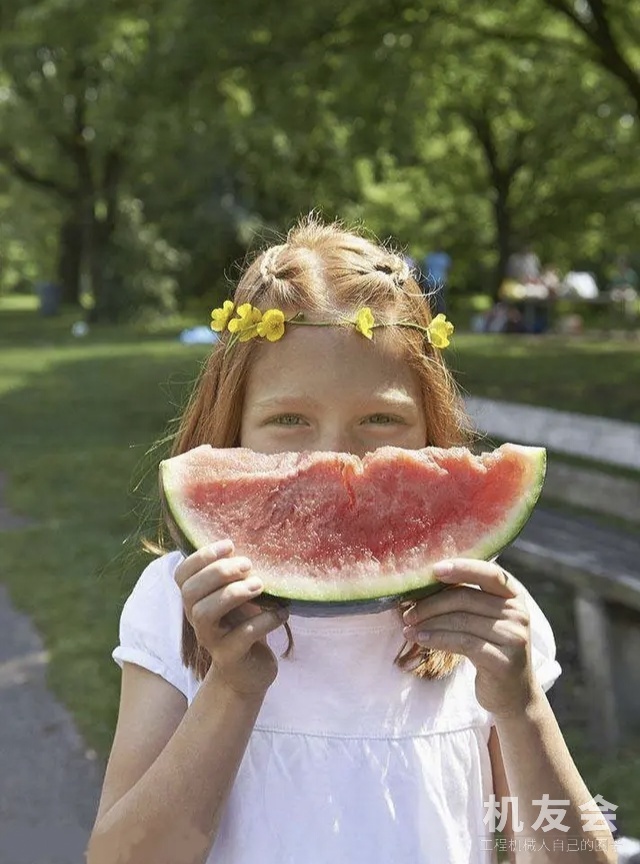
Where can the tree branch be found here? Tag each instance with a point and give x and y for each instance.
(599, 34)
(24, 172)
(483, 132)
(517, 161)
(569, 12)
(511, 36)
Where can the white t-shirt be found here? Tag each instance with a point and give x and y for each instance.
(351, 759)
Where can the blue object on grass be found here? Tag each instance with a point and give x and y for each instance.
(198, 336)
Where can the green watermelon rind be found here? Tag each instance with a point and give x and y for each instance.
(358, 596)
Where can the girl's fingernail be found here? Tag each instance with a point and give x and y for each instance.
(244, 564)
(423, 637)
(223, 547)
(443, 569)
(254, 584)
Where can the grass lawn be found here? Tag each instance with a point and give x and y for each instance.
(585, 375)
(77, 417)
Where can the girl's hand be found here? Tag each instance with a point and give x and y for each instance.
(490, 627)
(216, 589)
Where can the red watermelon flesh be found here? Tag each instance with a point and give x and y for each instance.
(332, 527)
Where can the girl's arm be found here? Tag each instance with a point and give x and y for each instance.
(171, 812)
(491, 627)
(529, 758)
(171, 767)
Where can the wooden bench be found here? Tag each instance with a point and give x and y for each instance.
(603, 567)
(600, 564)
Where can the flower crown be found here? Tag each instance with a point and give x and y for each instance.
(251, 323)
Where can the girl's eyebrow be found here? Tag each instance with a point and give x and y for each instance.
(271, 402)
(387, 401)
(390, 398)
(394, 400)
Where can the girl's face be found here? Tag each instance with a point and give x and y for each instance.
(329, 388)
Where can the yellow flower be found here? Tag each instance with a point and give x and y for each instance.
(220, 317)
(246, 324)
(272, 325)
(440, 331)
(364, 322)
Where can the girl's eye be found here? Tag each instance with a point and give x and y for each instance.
(287, 420)
(382, 419)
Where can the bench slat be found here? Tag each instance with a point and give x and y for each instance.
(613, 442)
(580, 552)
(593, 490)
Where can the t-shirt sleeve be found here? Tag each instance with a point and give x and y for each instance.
(543, 644)
(151, 624)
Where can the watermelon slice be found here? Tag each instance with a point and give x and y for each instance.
(330, 532)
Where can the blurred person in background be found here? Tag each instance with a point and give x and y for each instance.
(623, 288)
(524, 266)
(436, 267)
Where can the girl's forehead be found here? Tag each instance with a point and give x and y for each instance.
(331, 359)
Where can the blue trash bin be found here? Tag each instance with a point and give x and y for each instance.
(50, 296)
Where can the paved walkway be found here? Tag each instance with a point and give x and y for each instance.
(49, 787)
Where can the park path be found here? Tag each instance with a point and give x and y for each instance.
(49, 785)
(49, 781)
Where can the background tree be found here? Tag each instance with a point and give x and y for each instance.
(145, 146)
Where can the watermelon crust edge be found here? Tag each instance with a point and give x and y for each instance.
(305, 596)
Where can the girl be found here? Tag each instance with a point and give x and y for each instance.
(230, 749)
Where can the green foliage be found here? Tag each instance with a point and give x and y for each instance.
(455, 124)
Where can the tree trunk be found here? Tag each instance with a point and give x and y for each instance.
(502, 170)
(503, 233)
(104, 284)
(70, 249)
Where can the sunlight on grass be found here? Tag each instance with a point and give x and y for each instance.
(17, 368)
(18, 303)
